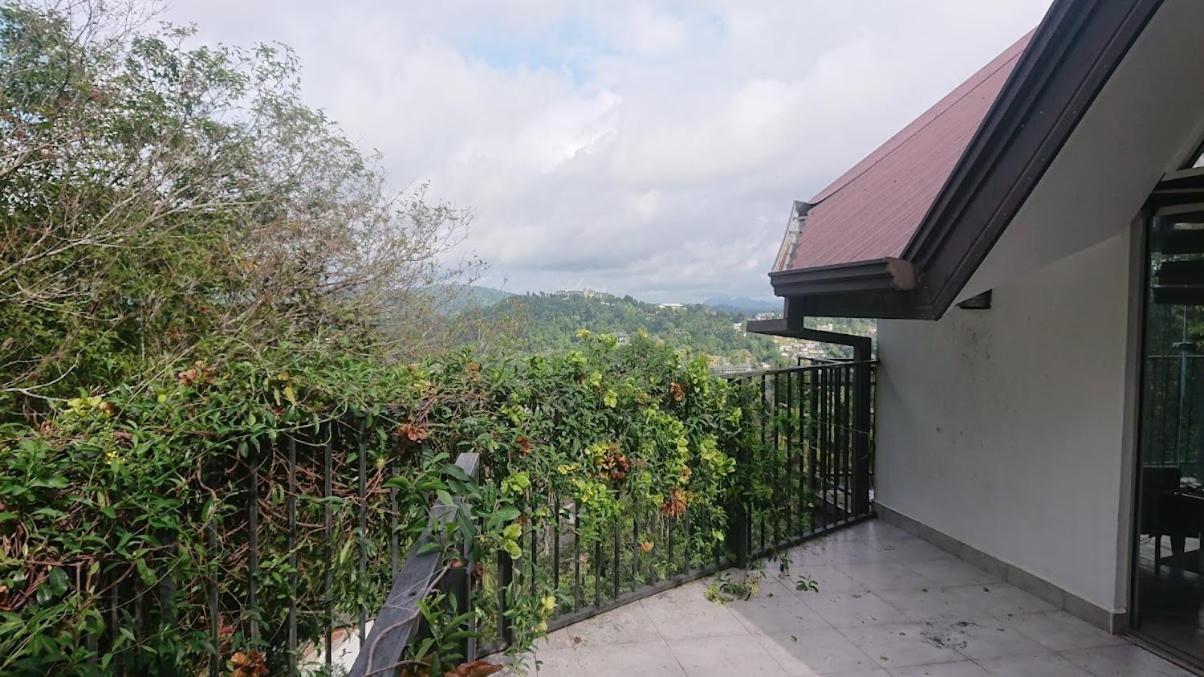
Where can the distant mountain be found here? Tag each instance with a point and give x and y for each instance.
(486, 296)
(463, 297)
(743, 304)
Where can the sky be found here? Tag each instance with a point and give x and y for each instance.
(651, 149)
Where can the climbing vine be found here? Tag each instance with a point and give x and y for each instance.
(121, 512)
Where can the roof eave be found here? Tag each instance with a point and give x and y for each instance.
(1071, 56)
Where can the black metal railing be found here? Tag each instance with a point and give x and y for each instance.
(804, 469)
(304, 535)
(299, 539)
(811, 468)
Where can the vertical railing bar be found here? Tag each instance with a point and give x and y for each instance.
(685, 550)
(534, 551)
(212, 592)
(139, 628)
(801, 453)
(505, 581)
(556, 547)
(291, 508)
(791, 526)
(115, 628)
(837, 441)
(775, 470)
(597, 561)
(845, 410)
(813, 446)
(660, 531)
(361, 522)
(253, 538)
(850, 440)
(394, 545)
(824, 447)
(614, 565)
(833, 456)
(471, 644)
(328, 536)
(764, 441)
(576, 556)
(215, 623)
(746, 498)
(635, 549)
(669, 524)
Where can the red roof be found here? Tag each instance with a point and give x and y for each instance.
(872, 211)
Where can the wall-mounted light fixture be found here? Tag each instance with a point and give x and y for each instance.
(980, 302)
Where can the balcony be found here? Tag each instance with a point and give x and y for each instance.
(888, 604)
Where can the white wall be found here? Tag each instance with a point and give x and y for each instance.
(1008, 429)
(1005, 428)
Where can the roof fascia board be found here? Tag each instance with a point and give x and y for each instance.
(1073, 53)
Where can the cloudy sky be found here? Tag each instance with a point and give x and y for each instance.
(644, 148)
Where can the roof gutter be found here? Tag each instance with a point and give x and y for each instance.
(886, 274)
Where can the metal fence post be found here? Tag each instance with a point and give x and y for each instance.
(737, 514)
(505, 568)
(862, 421)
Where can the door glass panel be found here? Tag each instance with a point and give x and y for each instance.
(1170, 559)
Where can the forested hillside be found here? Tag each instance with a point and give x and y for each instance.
(541, 322)
(546, 321)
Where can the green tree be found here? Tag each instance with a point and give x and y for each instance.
(159, 201)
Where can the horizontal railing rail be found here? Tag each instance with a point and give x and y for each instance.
(757, 373)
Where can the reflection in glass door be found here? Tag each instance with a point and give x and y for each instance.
(1170, 560)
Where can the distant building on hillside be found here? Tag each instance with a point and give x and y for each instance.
(580, 293)
(670, 306)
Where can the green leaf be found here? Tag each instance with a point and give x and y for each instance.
(456, 472)
(57, 581)
(507, 514)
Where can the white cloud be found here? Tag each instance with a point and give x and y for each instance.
(643, 148)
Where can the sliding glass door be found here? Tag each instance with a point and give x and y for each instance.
(1169, 596)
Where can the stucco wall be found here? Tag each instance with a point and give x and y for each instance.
(1005, 428)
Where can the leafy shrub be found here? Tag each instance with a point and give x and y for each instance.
(125, 509)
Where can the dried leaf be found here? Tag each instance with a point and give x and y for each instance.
(477, 668)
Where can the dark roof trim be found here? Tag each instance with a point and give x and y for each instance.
(1071, 56)
(879, 274)
(780, 327)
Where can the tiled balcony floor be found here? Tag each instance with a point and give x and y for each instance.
(888, 604)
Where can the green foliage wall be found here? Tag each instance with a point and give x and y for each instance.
(139, 496)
